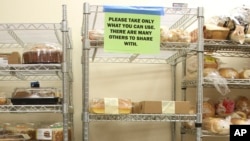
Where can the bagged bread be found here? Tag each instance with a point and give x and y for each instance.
(110, 106)
(245, 74)
(208, 109)
(174, 35)
(217, 125)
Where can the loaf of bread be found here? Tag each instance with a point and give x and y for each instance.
(229, 73)
(211, 31)
(174, 35)
(110, 106)
(242, 104)
(217, 125)
(245, 74)
(208, 109)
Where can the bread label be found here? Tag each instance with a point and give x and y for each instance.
(168, 107)
(44, 134)
(111, 106)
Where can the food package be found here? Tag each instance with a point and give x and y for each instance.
(208, 108)
(211, 31)
(209, 62)
(3, 99)
(239, 121)
(244, 74)
(217, 125)
(238, 34)
(29, 96)
(222, 21)
(110, 106)
(174, 35)
(215, 32)
(210, 66)
(96, 37)
(10, 58)
(238, 114)
(225, 107)
(241, 15)
(53, 132)
(26, 128)
(229, 73)
(42, 53)
(190, 124)
(242, 104)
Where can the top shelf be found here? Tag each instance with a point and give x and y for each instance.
(17, 35)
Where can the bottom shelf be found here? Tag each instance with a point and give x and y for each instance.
(205, 133)
(142, 117)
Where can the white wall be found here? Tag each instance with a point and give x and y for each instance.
(124, 80)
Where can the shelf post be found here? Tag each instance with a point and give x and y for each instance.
(199, 93)
(85, 71)
(65, 81)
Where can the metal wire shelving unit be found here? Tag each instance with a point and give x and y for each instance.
(171, 53)
(15, 37)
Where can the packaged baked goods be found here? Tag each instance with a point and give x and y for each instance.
(245, 74)
(26, 128)
(110, 106)
(96, 37)
(242, 104)
(217, 125)
(190, 124)
(211, 31)
(215, 32)
(240, 121)
(229, 73)
(238, 34)
(52, 132)
(28, 96)
(174, 35)
(42, 53)
(3, 99)
(208, 108)
(225, 107)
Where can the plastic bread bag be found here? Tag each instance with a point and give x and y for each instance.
(219, 82)
(225, 106)
(238, 34)
(241, 15)
(222, 21)
(174, 35)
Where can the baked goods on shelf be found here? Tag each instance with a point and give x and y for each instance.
(244, 74)
(229, 73)
(217, 125)
(211, 31)
(242, 104)
(225, 107)
(96, 37)
(110, 106)
(29, 96)
(174, 35)
(42, 53)
(208, 109)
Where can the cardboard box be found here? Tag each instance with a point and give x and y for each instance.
(175, 107)
(150, 107)
(162, 107)
(12, 58)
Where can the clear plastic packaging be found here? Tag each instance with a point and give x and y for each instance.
(96, 37)
(35, 96)
(26, 128)
(110, 106)
(42, 53)
(174, 35)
